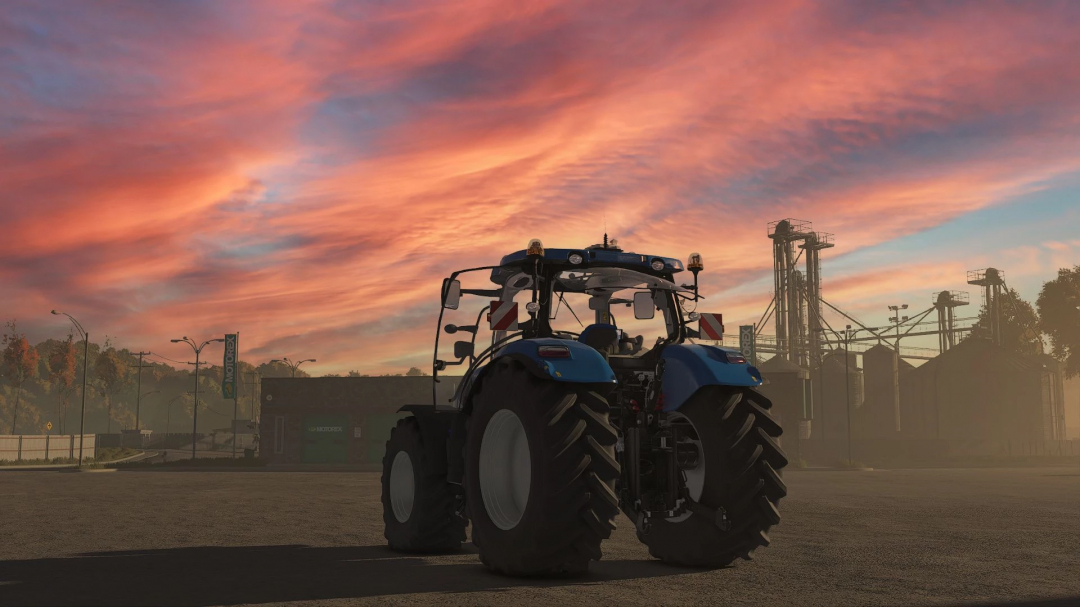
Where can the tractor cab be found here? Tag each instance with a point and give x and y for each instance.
(626, 306)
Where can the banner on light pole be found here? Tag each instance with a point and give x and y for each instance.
(228, 381)
(746, 343)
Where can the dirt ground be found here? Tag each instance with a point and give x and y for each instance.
(896, 537)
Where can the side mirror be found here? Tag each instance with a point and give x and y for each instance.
(463, 349)
(644, 308)
(451, 293)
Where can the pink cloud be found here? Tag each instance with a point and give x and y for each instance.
(306, 173)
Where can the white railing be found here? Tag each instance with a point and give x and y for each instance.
(14, 447)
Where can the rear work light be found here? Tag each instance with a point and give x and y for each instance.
(553, 352)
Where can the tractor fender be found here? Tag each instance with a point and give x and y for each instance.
(690, 367)
(584, 365)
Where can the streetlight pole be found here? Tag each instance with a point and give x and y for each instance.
(896, 319)
(291, 364)
(195, 412)
(847, 386)
(86, 357)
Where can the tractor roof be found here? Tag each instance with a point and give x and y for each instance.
(591, 257)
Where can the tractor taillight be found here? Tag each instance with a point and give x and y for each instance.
(553, 352)
(734, 358)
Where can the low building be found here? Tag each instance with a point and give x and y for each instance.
(337, 420)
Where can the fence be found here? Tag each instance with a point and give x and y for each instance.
(14, 447)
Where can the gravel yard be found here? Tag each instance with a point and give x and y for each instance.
(899, 537)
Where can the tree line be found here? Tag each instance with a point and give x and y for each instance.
(42, 383)
(1051, 326)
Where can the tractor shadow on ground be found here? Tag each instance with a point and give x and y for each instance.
(263, 574)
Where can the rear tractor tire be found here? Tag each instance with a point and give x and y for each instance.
(419, 512)
(540, 473)
(738, 471)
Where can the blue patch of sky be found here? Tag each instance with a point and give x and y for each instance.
(346, 127)
(254, 250)
(1048, 214)
(914, 151)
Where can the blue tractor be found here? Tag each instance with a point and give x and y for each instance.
(558, 423)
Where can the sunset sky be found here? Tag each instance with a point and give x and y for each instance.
(305, 173)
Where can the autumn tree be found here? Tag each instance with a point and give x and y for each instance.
(1059, 309)
(62, 375)
(20, 363)
(111, 373)
(1019, 324)
(414, 372)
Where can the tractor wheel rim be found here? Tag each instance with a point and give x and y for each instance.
(695, 477)
(505, 469)
(402, 486)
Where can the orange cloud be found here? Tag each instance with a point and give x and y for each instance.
(307, 172)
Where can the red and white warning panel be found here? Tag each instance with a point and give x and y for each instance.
(711, 326)
(503, 315)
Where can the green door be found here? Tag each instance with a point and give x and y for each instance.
(325, 439)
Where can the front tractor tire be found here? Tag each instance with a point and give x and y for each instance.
(736, 476)
(540, 473)
(419, 513)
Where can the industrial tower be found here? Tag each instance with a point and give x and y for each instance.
(991, 279)
(797, 297)
(813, 245)
(944, 302)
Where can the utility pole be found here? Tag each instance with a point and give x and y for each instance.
(138, 400)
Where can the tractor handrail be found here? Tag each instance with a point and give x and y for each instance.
(438, 328)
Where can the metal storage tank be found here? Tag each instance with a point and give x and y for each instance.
(835, 384)
(881, 369)
(979, 391)
(784, 386)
